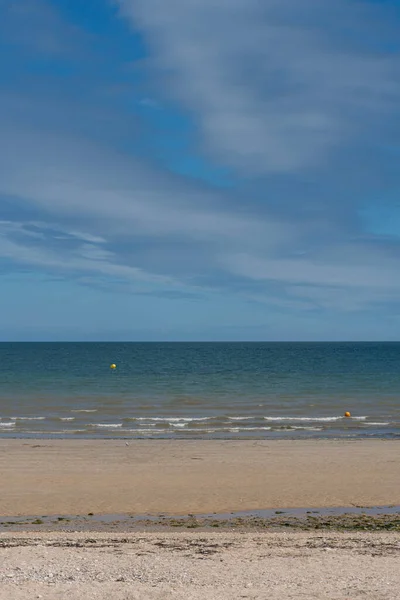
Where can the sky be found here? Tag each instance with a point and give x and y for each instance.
(199, 170)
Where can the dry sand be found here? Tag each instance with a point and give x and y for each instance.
(53, 477)
(198, 566)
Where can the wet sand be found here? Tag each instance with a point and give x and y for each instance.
(77, 477)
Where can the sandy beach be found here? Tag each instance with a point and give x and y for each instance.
(56, 477)
(48, 477)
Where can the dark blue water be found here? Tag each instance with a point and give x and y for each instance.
(192, 390)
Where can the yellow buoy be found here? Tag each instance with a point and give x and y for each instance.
(113, 366)
(347, 414)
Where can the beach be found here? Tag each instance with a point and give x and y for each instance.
(198, 566)
(75, 556)
(141, 477)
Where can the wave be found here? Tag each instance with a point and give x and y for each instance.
(306, 428)
(279, 429)
(237, 429)
(7, 425)
(84, 410)
(110, 425)
(29, 418)
(218, 430)
(223, 419)
(170, 419)
(144, 431)
(318, 419)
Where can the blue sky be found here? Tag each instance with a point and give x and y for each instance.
(200, 170)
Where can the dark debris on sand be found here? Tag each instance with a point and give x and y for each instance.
(344, 522)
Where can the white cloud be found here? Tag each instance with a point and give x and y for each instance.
(318, 272)
(74, 183)
(72, 178)
(118, 200)
(365, 277)
(275, 86)
(84, 259)
(39, 229)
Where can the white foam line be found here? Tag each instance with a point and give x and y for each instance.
(306, 419)
(244, 429)
(304, 428)
(238, 429)
(113, 425)
(67, 418)
(166, 430)
(317, 419)
(222, 418)
(69, 431)
(173, 419)
(5, 425)
(255, 428)
(84, 410)
(141, 431)
(30, 418)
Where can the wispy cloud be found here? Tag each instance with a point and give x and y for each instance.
(76, 253)
(274, 86)
(123, 196)
(136, 216)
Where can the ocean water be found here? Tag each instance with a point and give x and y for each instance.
(199, 390)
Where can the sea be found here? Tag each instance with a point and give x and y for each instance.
(199, 390)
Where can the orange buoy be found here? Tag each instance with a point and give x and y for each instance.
(347, 414)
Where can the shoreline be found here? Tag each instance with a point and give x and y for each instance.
(153, 477)
(376, 519)
(165, 437)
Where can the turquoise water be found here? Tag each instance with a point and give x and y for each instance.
(204, 390)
